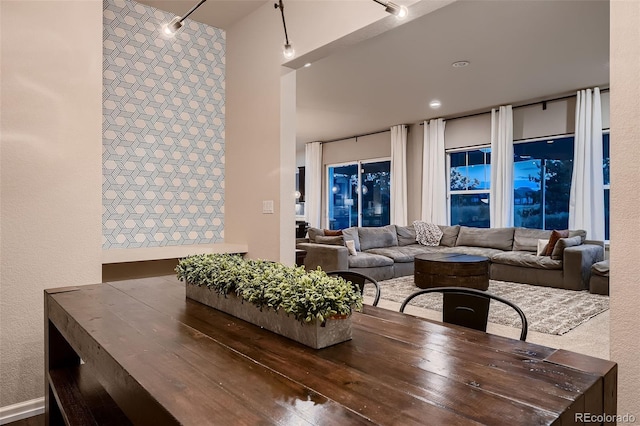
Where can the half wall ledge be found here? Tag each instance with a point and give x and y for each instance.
(168, 252)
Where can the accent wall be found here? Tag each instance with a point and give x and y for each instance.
(163, 130)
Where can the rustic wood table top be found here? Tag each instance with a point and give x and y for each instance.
(163, 359)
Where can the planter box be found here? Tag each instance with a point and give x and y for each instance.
(310, 334)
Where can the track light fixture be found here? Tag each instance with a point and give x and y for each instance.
(176, 23)
(399, 12)
(287, 50)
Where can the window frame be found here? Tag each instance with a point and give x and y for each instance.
(451, 192)
(359, 163)
(607, 186)
(448, 152)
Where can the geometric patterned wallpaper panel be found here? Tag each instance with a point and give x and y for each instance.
(163, 130)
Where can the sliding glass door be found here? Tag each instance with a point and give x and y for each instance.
(343, 197)
(358, 194)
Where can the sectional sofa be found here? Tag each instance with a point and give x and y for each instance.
(388, 252)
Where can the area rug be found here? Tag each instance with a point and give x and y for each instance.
(548, 310)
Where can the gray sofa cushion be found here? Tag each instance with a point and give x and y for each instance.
(372, 237)
(526, 259)
(563, 243)
(415, 249)
(601, 268)
(498, 238)
(525, 239)
(405, 254)
(397, 254)
(315, 232)
(579, 232)
(406, 235)
(473, 251)
(352, 234)
(334, 240)
(369, 260)
(449, 235)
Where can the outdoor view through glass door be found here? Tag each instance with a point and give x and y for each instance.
(359, 194)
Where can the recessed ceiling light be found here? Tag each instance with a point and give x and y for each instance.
(460, 64)
(307, 65)
(435, 104)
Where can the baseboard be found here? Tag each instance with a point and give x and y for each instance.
(21, 410)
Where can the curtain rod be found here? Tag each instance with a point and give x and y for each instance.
(355, 136)
(561, 98)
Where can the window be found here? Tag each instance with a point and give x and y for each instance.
(469, 184)
(606, 179)
(542, 183)
(359, 194)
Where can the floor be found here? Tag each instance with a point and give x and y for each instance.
(31, 421)
(590, 338)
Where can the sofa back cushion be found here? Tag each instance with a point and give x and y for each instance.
(335, 240)
(578, 233)
(525, 239)
(449, 235)
(351, 234)
(406, 235)
(384, 236)
(498, 238)
(315, 232)
(563, 243)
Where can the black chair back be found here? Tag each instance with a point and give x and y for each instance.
(359, 280)
(468, 307)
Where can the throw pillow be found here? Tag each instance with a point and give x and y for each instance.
(330, 233)
(553, 239)
(563, 243)
(427, 234)
(351, 245)
(542, 247)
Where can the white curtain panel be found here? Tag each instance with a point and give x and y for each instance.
(501, 193)
(434, 174)
(399, 175)
(586, 201)
(313, 183)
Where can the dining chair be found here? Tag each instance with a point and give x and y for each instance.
(359, 280)
(468, 307)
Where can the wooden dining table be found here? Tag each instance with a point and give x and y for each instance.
(139, 352)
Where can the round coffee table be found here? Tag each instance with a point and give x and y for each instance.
(451, 270)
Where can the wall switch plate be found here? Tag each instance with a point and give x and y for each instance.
(267, 207)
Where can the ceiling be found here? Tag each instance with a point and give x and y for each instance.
(518, 51)
(216, 13)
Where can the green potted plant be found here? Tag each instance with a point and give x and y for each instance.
(309, 307)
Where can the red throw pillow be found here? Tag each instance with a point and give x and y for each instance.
(553, 239)
(330, 233)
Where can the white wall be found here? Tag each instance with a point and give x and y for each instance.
(254, 143)
(253, 172)
(528, 122)
(50, 173)
(362, 148)
(625, 222)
